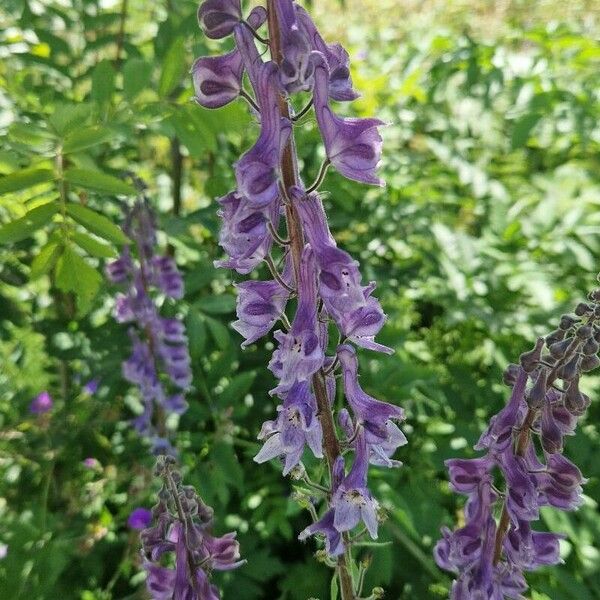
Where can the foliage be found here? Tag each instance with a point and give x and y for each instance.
(487, 230)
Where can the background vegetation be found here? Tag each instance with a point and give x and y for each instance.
(488, 230)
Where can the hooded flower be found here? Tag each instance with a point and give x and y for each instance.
(352, 145)
(217, 79)
(259, 305)
(340, 81)
(217, 18)
(372, 414)
(297, 65)
(257, 172)
(334, 544)
(352, 500)
(358, 315)
(244, 234)
(296, 426)
(139, 518)
(300, 353)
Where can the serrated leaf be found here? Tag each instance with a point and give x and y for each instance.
(93, 247)
(96, 223)
(216, 305)
(45, 260)
(98, 181)
(73, 274)
(32, 221)
(136, 76)
(24, 179)
(86, 137)
(219, 332)
(103, 82)
(173, 67)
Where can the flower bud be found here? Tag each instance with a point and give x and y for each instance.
(555, 336)
(583, 309)
(529, 360)
(559, 349)
(584, 332)
(538, 391)
(569, 370)
(576, 402)
(591, 347)
(567, 321)
(589, 363)
(510, 374)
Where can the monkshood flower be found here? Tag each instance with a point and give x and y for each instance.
(139, 518)
(41, 404)
(182, 529)
(490, 557)
(313, 286)
(159, 364)
(353, 146)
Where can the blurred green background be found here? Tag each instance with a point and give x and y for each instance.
(488, 229)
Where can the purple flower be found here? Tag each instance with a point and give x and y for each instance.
(259, 305)
(352, 500)
(139, 518)
(297, 64)
(244, 234)
(334, 544)
(91, 387)
(218, 17)
(257, 172)
(217, 79)
(41, 404)
(296, 426)
(300, 353)
(352, 145)
(340, 81)
(91, 463)
(370, 413)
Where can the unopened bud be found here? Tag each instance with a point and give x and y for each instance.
(591, 347)
(589, 363)
(569, 370)
(583, 308)
(584, 332)
(575, 401)
(538, 391)
(529, 360)
(377, 592)
(555, 336)
(559, 349)
(510, 374)
(567, 321)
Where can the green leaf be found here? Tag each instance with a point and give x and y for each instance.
(22, 228)
(23, 179)
(333, 594)
(96, 180)
(103, 82)
(196, 332)
(93, 247)
(216, 305)
(522, 128)
(80, 139)
(173, 67)
(238, 387)
(96, 223)
(45, 260)
(73, 274)
(68, 117)
(219, 332)
(136, 75)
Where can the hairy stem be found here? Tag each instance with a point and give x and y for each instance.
(289, 173)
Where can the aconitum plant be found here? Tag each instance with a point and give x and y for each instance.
(524, 445)
(159, 364)
(182, 524)
(273, 218)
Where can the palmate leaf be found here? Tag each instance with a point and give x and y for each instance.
(29, 223)
(97, 223)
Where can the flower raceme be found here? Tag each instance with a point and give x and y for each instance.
(524, 442)
(304, 261)
(159, 364)
(182, 529)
